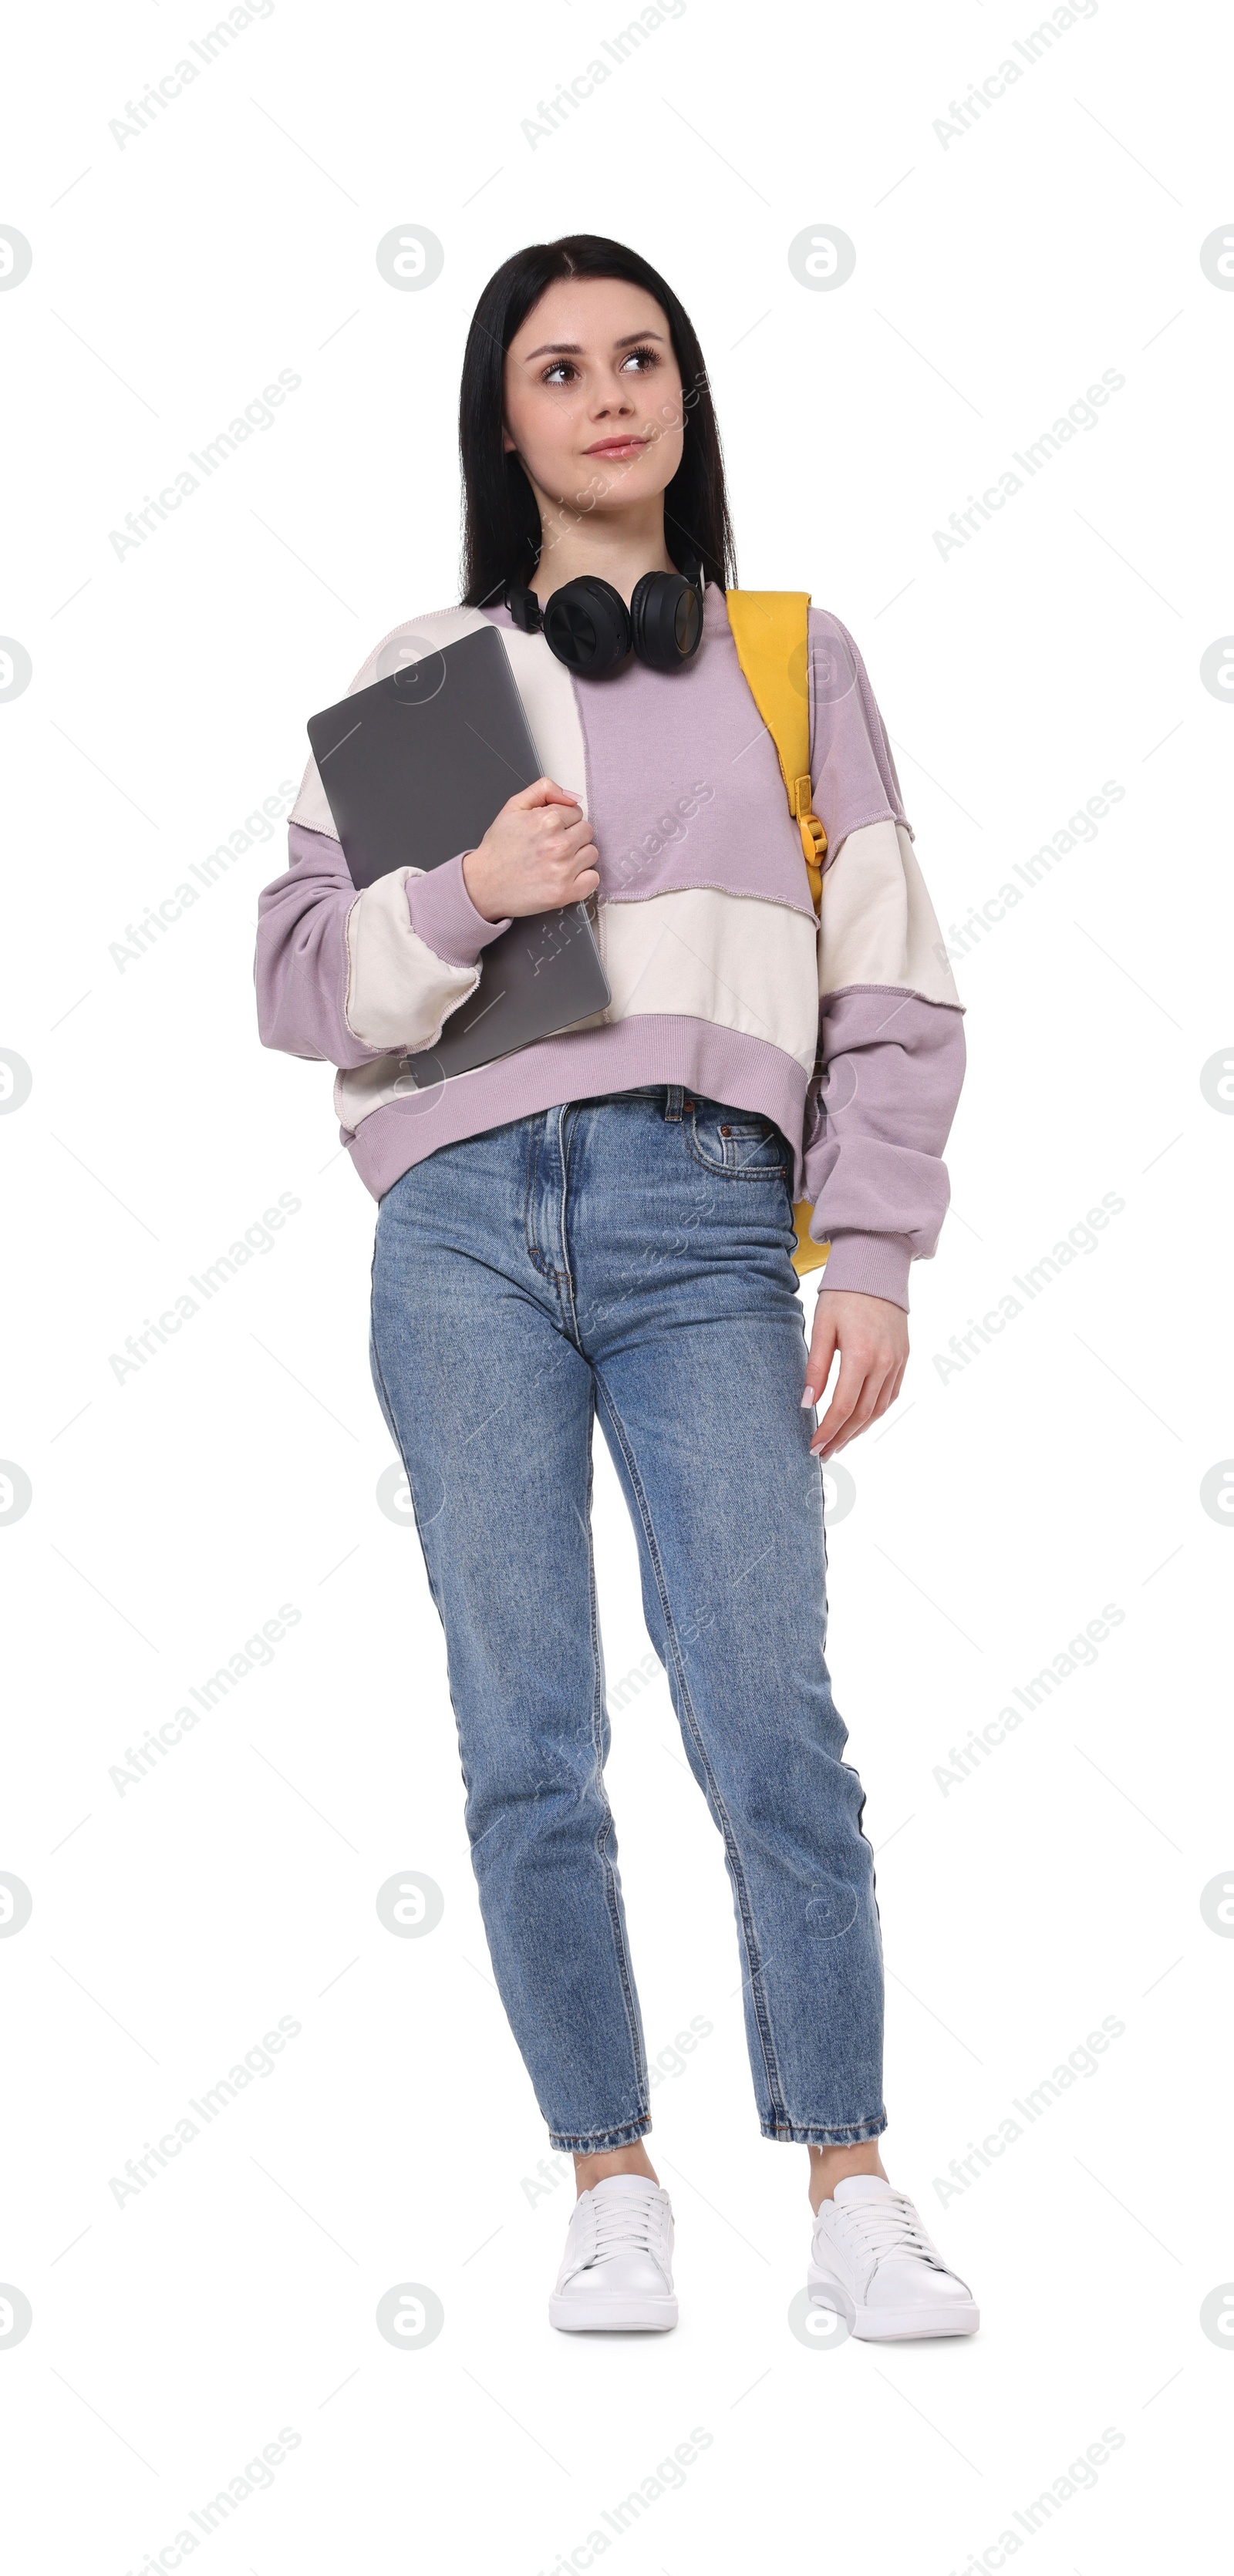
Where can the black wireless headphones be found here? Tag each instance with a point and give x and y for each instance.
(589, 628)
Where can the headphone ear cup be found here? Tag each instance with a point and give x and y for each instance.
(666, 618)
(587, 626)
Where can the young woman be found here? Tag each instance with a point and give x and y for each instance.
(602, 1222)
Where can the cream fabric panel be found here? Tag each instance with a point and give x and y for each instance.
(371, 1086)
(551, 709)
(398, 990)
(878, 923)
(727, 958)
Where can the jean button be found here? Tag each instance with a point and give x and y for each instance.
(726, 1131)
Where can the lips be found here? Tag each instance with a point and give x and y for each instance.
(617, 446)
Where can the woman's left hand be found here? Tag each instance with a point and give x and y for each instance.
(871, 1336)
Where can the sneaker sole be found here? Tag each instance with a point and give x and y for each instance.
(893, 2325)
(595, 2312)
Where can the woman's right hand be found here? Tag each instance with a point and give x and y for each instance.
(536, 855)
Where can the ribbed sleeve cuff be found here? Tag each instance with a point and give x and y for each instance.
(874, 1265)
(445, 918)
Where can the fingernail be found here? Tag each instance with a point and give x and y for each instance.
(808, 1397)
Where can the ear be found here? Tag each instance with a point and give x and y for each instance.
(507, 443)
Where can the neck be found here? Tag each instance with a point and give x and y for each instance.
(619, 546)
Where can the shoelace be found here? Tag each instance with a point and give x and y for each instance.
(624, 2223)
(886, 2227)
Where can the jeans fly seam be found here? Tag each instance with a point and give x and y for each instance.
(533, 1132)
(749, 1937)
(563, 1277)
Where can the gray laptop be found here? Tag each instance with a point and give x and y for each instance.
(415, 768)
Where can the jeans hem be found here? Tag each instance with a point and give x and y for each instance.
(601, 2142)
(801, 2134)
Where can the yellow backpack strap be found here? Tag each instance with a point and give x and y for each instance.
(771, 633)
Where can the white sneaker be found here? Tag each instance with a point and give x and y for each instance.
(617, 2275)
(873, 2263)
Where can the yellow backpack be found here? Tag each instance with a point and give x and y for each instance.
(770, 631)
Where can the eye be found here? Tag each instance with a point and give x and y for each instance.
(560, 372)
(642, 359)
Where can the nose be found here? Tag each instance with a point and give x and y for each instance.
(615, 396)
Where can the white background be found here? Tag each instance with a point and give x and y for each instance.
(999, 271)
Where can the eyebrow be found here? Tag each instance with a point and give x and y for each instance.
(574, 348)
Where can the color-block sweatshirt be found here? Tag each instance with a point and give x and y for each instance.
(846, 1033)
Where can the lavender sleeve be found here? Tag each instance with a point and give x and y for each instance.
(409, 950)
(890, 1059)
(878, 1117)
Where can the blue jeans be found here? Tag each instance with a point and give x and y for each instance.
(631, 1255)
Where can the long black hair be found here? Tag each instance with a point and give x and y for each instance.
(501, 523)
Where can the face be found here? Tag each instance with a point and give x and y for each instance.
(593, 396)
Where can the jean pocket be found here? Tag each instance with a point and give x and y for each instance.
(736, 1143)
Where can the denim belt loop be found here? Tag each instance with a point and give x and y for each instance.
(674, 1094)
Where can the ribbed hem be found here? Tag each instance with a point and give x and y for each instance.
(722, 1064)
(873, 1265)
(444, 916)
